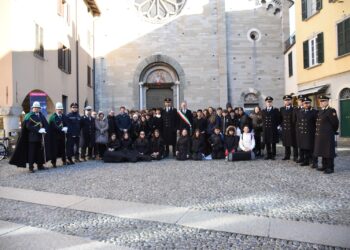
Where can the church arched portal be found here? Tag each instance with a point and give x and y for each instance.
(158, 80)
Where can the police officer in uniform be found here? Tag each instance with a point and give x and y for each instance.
(308, 117)
(327, 124)
(37, 127)
(73, 133)
(288, 129)
(88, 129)
(271, 120)
(170, 121)
(296, 117)
(57, 132)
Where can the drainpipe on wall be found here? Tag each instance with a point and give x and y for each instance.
(93, 66)
(77, 49)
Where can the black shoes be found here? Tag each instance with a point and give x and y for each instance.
(285, 158)
(329, 171)
(304, 164)
(70, 161)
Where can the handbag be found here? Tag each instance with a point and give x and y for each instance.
(240, 156)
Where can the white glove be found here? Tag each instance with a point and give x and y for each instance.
(42, 131)
(65, 129)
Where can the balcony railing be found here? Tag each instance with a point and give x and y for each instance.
(289, 42)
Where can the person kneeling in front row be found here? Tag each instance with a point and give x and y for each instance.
(247, 141)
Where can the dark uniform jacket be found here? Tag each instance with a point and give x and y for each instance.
(88, 129)
(157, 124)
(327, 124)
(296, 118)
(19, 157)
(288, 126)
(307, 128)
(56, 123)
(170, 120)
(271, 121)
(74, 124)
(34, 124)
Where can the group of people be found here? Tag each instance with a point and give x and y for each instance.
(146, 135)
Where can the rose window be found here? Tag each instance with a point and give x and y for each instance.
(159, 10)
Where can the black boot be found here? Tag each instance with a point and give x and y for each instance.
(329, 170)
(54, 165)
(31, 169)
(70, 161)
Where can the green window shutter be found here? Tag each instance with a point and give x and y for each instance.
(290, 64)
(59, 53)
(341, 35)
(347, 35)
(306, 54)
(304, 9)
(320, 48)
(69, 62)
(319, 4)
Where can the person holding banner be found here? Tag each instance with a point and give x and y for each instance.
(57, 133)
(185, 118)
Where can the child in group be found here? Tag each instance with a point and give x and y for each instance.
(247, 141)
(141, 145)
(112, 154)
(217, 144)
(157, 146)
(126, 151)
(183, 146)
(231, 141)
(198, 145)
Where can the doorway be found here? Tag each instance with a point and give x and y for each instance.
(155, 97)
(345, 112)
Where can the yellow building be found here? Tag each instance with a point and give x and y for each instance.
(323, 53)
(46, 54)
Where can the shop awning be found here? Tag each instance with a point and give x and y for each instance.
(313, 90)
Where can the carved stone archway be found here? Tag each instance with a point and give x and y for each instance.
(159, 71)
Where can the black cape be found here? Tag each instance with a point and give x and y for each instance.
(19, 157)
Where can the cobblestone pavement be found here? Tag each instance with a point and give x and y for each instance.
(136, 234)
(267, 188)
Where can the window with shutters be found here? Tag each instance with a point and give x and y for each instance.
(89, 72)
(313, 51)
(64, 59)
(39, 41)
(343, 32)
(290, 64)
(310, 8)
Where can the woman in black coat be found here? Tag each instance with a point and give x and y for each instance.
(141, 146)
(183, 146)
(112, 154)
(198, 145)
(157, 146)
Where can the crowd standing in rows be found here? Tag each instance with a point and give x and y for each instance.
(147, 135)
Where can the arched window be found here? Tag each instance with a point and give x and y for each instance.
(344, 94)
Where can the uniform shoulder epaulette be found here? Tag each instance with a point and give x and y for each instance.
(28, 115)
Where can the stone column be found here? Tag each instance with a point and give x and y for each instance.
(177, 84)
(10, 117)
(141, 95)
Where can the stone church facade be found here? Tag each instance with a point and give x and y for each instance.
(207, 52)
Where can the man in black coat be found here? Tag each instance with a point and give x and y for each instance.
(73, 133)
(111, 123)
(57, 132)
(288, 129)
(327, 124)
(170, 121)
(271, 120)
(88, 130)
(185, 119)
(307, 128)
(123, 122)
(296, 117)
